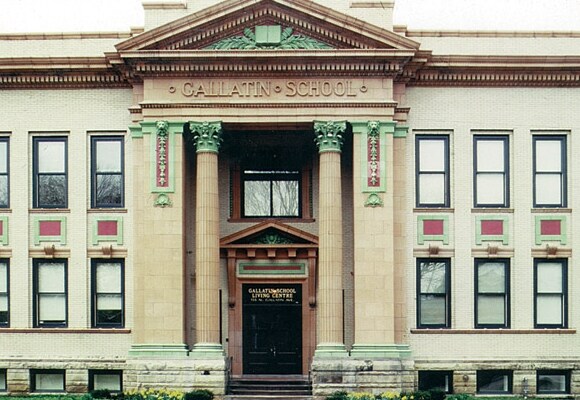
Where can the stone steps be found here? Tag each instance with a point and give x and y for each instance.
(270, 388)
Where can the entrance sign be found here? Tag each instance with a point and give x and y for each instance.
(272, 294)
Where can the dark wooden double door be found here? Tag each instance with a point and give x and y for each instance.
(272, 329)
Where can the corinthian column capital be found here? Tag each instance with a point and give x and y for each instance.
(329, 135)
(207, 136)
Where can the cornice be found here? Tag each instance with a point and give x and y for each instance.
(65, 35)
(486, 34)
(59, 73)
(524, 71)
(53, 63)
(498, 62)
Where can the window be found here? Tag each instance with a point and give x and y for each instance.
(491, 171)
(433, 293)
(50, 295)
(271, 174)
(4, 296)
(492, 300)
(107, 171)
(553, 381)
(442, 380)
(494, 382)
(47, 380)
(271, 193)
(108, 293)
(106, 380)
(50, 172)
(549, 171)
(4, 173)
(432, 166)
(551, 293)
(3, 383)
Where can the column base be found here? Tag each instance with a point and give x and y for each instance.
(158, 350)
(207, 351)
(331, 350)
(374, 350)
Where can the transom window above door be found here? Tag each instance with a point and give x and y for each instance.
(271, 193)
(271, 174)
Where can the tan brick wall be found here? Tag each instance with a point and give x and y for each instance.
(519, 111)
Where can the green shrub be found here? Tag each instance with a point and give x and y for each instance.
(201, 394)
(101, 394)
(338, 396)
(462, 396)
(436, 394)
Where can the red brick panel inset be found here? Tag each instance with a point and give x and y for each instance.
(49, 228)
(273, 268)
(1, 228)
(492, 227)
(107, 228)
(433, 227)
(550, 227)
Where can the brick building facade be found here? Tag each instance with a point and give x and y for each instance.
(292, 188)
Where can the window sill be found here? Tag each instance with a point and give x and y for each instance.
(111, 210)
(49, 210)
(492, 210)
(433, 210)
(254, 220)
(105, 331)
(551, 210)
(505, 331)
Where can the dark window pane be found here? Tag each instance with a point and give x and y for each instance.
(553, 381)
(109, 190)
(109, 317)
(492, 381)
(441, 380)
(52, 191)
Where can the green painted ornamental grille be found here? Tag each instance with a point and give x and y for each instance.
(269, 37)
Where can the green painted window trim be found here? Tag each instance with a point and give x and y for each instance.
(241, 271)
(4, 236)
(480, 238)
(38, 238)
(107, 238)
(422, 238)
(562, 238)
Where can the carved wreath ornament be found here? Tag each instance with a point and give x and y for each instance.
(288, 41)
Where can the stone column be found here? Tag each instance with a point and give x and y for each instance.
(207, 139)
(330, 341)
